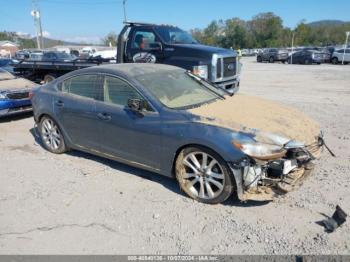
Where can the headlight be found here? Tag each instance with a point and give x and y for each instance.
(2, 96)
(201, 71)
(260, 151)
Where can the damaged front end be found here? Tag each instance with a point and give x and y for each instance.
(272, 167)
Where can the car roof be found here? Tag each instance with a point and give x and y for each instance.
(130, 69)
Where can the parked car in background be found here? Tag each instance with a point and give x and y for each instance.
(272, 55)
(141, 115)
(7, 64)
(57, 56)
(338, 55)
(306, 57)
(14, 94)
(36, 56)
(322, 52)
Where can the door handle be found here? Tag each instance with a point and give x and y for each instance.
(104, 116)
(59, 103)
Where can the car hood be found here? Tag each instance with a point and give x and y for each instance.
(16, 84)
(202, 51)
(263, 120)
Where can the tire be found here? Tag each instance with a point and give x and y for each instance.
(209, 183)
(49, 78)
(259, 59)
(335, 60)
(271, 59)
(51, 136)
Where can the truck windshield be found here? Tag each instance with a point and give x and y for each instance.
(176, 89)
(174, 35)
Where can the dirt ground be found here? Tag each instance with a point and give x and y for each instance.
(77, 203)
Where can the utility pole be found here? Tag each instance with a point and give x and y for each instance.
(291, 55)
(124, 2)
(37, 23)
(346, 44)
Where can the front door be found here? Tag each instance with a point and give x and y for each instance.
(125, 134)
(144, 47)
(75, 108)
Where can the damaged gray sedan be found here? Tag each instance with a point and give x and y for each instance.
(166, 120)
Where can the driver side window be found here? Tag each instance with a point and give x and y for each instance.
(143, 39)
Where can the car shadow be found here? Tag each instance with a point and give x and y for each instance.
(16, 117)
(168, 182)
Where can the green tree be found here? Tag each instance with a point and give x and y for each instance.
(110, 39)
(267, 28)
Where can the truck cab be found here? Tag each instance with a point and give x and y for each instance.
(165, 44)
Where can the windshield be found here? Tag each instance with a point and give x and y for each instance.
(176, 89)
(174, 35)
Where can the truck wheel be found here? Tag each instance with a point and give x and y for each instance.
(48, 78)
(203, 175)
(259, 59)
(335, 60)
(271, 60)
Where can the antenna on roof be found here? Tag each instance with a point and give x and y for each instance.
(124, 2)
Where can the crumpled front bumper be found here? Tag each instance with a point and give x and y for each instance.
(269, 188)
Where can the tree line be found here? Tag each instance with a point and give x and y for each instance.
(267, 30)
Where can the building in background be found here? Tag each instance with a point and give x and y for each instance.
(8, 48)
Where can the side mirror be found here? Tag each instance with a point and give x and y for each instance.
(156, 46)
(135, 104)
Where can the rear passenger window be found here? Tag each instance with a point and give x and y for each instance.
(117, 91)
(83, 85)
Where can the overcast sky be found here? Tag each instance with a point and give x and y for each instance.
(90, 20)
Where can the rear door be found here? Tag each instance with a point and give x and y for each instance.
(75, 108)
(125, 134)
(144, 46)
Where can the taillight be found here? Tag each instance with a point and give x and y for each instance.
(30, 95)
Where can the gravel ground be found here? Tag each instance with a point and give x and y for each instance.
(77, 203)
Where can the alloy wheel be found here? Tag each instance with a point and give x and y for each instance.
(204, 175)
(51, 134)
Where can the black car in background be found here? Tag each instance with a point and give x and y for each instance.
(58, 56)
(272, 54)
(306, 57)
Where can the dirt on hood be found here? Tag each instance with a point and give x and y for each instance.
(242, 111)
(16, 83)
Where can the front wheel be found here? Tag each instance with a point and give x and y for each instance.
(271, 60)
(335, 60)
(203, 175)
(51, 136)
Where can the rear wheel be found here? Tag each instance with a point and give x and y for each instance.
(203, 175)
(51, 136)
(48, 79)
(335, 60)
(271, 60)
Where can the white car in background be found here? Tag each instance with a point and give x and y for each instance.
(338, 55)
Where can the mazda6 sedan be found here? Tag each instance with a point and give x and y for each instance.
(154, 117)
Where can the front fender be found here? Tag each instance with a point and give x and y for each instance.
(178, 135)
